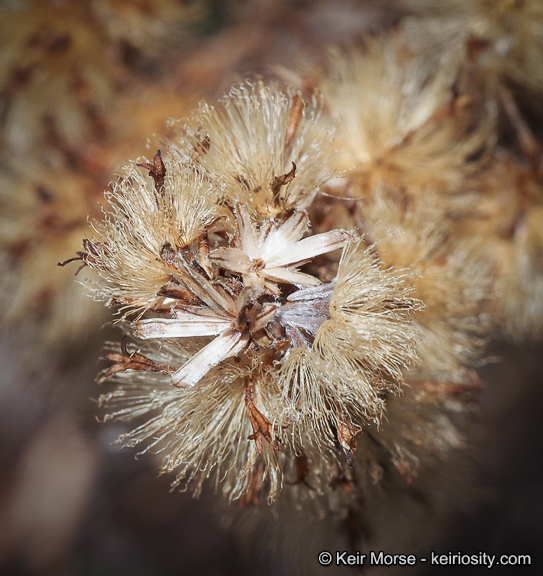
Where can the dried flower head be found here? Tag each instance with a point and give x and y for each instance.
(359, 353)
(43, 214)
(245, 327)
(503, 37)
(504, 230)
(342, 349)
(145, 25)
(405, 120)
(452, 281)
(265, 145)
(56, 76)
(144, 219)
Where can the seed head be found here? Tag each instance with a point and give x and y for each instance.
(265, 145)
(252, 343)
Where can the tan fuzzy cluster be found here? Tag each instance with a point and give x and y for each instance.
(71, 111)
(503, 38)
(266, 146)
(254, 346)
(402, 119)
(56, 76)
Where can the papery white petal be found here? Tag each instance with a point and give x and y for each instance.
(290, 276)
(186, 326)
(310, 247)
(247, 232)
(226, 345)
(232, 259)
(285, 236)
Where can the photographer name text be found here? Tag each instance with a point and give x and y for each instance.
(344, 558)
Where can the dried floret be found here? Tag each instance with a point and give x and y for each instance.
(405, 120)
(504, 231)
(265, 145)
(130, 248)
(449, 277)
(503, 37)
(359, 353)
(202, 429)
(56, 76)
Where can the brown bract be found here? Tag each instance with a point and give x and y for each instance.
(262, 427)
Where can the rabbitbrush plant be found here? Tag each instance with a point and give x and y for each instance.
(306, 278)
